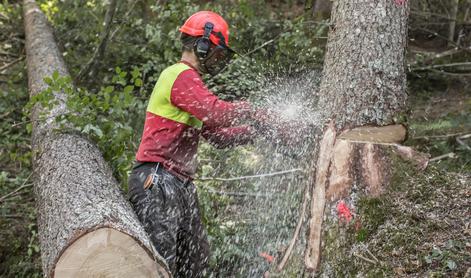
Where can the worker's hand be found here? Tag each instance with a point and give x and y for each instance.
(284, 132)
(263, 120)
(292, 133)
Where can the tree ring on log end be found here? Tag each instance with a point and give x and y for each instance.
(107, 252)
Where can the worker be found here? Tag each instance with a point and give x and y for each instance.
(181, 109)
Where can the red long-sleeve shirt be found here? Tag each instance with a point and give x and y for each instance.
(175, 144)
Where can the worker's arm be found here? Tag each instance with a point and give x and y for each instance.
(191, 95)
(224, 137)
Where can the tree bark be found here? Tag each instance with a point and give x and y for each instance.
(452, 26)
(363, 84)
(321, 9)
(86, 228)
(317, 9)
(147, 12)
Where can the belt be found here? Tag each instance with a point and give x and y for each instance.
(159, 168)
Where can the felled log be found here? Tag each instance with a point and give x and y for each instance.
(86, 228)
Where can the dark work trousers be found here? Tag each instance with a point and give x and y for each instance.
(170, 214)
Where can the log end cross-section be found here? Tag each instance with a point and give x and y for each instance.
(105, 252)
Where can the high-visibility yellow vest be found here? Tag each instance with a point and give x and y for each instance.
(160, 103)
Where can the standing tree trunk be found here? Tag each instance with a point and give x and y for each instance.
(86, 228)
(363, 87)
(91, 67)
(317, 9)
(452, 26)
(321, 9)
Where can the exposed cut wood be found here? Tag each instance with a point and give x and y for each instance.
(341, 177)
(106, 252)
(312, 255)
(419, 159)
(376, 134)
(78, 201)
(374, 173)
(443, 156)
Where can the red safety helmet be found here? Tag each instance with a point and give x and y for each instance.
(194, 26)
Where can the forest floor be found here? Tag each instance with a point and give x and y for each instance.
(426, 228)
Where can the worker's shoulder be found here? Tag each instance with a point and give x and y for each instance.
(177, 69)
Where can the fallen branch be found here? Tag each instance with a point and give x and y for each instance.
(444, 38)
(443, 156)
(458, 139)
(444, 136)
(435, 56)
(289, 250)
(421, 160)
(466, 136)
(11, 63)
(444, 54)
(12, 215)
(371, 254)
(251, 176)
(363, 258)
(238, 194)
(2, 52)
(261, 46)
(427, 14)
(456, 74)
(442, 66)
(4, 16)
(24, 185)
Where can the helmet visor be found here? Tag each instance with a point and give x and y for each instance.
(217, 59)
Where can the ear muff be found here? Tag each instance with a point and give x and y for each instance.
(203, 44)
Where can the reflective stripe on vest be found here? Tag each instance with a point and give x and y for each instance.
(160, 103)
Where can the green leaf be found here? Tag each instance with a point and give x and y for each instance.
(48, 81)
(135, 73)
(138, 82)
(109, 89)
(55, 75)
(98, 132)
(29, 127)
(128, 89)
(451, 264)
(428, 259)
